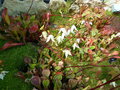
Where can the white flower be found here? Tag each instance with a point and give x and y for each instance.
(117, 35)
(90, 23)
(60, 63)
(78, 40)
(75, 45)
(34, 88)
(2, 74)
(63, 35)
(59, 39)
(113, 83)
(83, 22)
(107, 8)
(68, 32)
(62, 30)
(73, 28)
(67, 52)
(44, 34)
(50, 37)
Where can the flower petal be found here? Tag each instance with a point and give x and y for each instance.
(50, 37)
(67, 52)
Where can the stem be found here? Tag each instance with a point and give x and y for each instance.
(30, 6)
(112, 80)
(104, 65)
(95, 66)
(60, 15)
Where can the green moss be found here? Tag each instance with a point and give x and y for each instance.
(13, 58)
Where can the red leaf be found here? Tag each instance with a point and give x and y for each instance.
(88, 26)
(112, 46)
(21, 75)
(36, 81)
(33, 29)
(107, 30)
(5, 16)
(10, 44)
(105, 51)
(46, 16)
(115, 53)
(1, 62)
(116, 57)
(91, 57)
(90, 51)
(58, 73)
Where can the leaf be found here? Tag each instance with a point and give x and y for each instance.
(42, 27)
(72, 83)
(2, 37)
(86, 50)
(46, 72)
(1, 62)
(5, 16)
(36, 81)
(116, 57)
(27, 60)
(32, 18)
(114, 53)
(32, 66)
(87, 12)
(57, 85)
(87, 88)
(45, 83)
(10, 44)
(33, 29)
(94, 32)
(91, 56)
(88, 26)
(105, 51)
(58, 77)
(113, 45)
(92, 47)
(20, 75)
(107, 30)
(57, 68)
(46, 16)
(71, 76)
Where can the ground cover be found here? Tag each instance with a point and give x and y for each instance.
(76, 51)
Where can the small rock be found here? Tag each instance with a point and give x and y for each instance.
(46, 1)
(116, 8)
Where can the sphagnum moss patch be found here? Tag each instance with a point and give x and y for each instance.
(12, 60)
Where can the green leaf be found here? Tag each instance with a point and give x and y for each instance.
(46, 72)
(86, 13)
(2, 37)
(92, 47)
(72, 83)
(45, 83)
(32, 66)
(86, 50)
(71, 76)
(97, 58)
(57, 68)
(81, 50)
(58, 77)
(5, 16)
(94, 32)
(57, 85)
(32, 18)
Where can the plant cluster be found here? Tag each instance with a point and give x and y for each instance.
(80, 55)
(23, 28)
